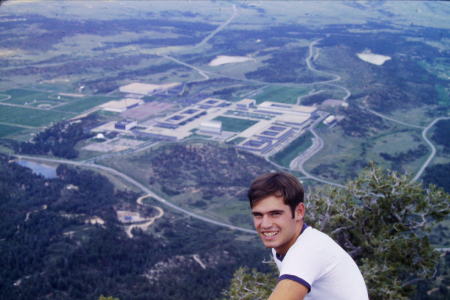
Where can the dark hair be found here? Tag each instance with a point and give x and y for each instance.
(277, 184)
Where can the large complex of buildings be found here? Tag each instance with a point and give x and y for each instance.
(274, 124)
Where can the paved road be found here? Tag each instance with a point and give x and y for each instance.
(433, 149)
(330, 82)
(218, 29)
(391, 119)
(424, 136)
(139, 185)
(318, 143)
(299, 161)
(201, 72)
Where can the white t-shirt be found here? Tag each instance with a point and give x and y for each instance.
(319, 263)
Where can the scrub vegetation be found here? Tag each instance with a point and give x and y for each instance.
(386, 221)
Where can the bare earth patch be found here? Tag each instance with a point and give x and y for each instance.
(376, 59)
(224, 59)
(8, 52)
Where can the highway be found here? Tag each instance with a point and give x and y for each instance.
(218, 29)
(318, 143)
(145, 189)
(299, 161)
(296, 164)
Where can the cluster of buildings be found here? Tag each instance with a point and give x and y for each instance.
(274, 125)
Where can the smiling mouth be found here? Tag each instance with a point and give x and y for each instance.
(269, 234)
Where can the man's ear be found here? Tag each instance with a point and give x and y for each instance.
(300, 211)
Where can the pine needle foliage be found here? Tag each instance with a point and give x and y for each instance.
(251, 285)
(383, 220)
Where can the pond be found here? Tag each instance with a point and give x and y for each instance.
(39, 168)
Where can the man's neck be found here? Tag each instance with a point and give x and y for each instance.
(282, 253)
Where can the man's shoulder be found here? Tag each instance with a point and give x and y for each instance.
(316, 241)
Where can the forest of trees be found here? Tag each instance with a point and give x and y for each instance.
(441, 134)
(359, 122)
(60, 139)
(213, 169)
(49, 251)
(439, 175)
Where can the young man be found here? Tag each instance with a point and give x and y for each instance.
(311, 264)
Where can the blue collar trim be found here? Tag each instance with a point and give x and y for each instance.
(280, 257)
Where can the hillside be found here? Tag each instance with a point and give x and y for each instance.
(51, 247)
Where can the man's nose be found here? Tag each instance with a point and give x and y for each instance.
(266, 222)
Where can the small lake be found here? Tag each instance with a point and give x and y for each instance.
(39, 168)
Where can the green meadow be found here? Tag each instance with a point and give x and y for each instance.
(30, 117)
(235, 124)
(82, 104)
(281, 94)
(6, 130)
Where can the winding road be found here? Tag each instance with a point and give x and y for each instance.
(433, 148)
(296, 164)
(140, 186)
(318, 143)
(424, 136)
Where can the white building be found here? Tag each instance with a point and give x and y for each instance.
(125, 124)
(121, 105)
(246, 104)
(214, 127)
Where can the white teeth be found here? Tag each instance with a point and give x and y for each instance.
(269, 234)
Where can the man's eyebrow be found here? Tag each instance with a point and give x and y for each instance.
(280, 211)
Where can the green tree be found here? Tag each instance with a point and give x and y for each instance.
(107, 298)
(383, 220)
(250, 285)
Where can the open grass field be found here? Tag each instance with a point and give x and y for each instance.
(6, 130)
(339, 151)
(397, 142)
(30, 117)
(34, 98)
(234, 124)
(443, 95)
(281, 94)
(23, 96)
(416, 116)
(82, 104)
(4, 97)
(342, 156)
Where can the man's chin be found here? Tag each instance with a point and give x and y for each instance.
(269, 244)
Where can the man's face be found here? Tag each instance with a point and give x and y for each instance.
(274, 223)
